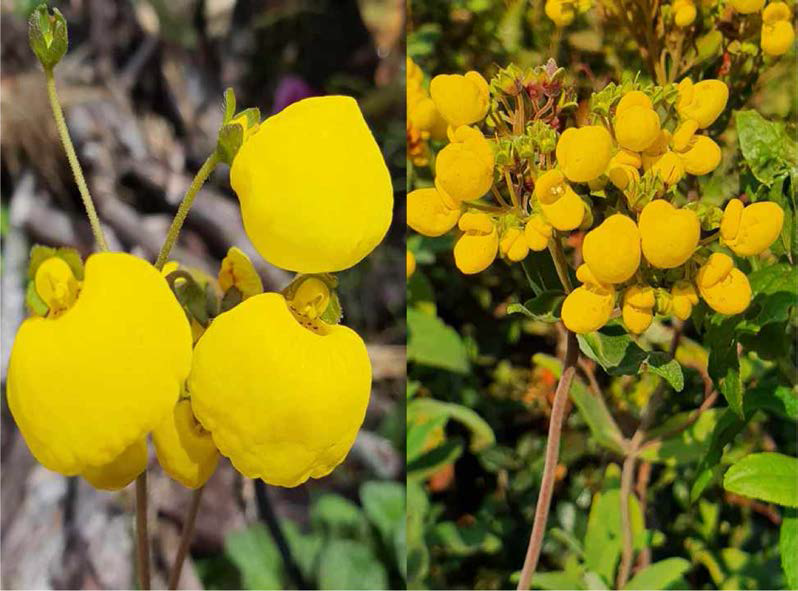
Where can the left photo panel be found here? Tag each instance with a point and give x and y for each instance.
(203, 294)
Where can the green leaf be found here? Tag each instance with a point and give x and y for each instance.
(338, 517)
(431, 342)
(229, 105)
(618, 354)
(724, 364)
(435, 459)
(544, 307)
(384, 505)
(665, 574)
(466, 540)
(419, 432)
(788, 546)
(305, 548)
(690, 445)
(768, 476)
(482, 435)
(417, 551)
(556, 580)
(257, 558)
(767, 147)
(346, 564)
(726, 429)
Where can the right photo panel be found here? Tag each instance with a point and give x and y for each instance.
(602, 289)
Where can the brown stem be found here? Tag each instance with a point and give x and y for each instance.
(142, 540)
(627, 476)
(641, 489)
(185, 538)
(550, 465)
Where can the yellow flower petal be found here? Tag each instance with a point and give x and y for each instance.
(464, 168)
(612, 249)
(537, 233)
(583, 153)
(668, 236)
(461, 100)
(724, 288)
(702, 155)
(237, 271)
(751, 230)
(428, 212)
(122, 470)
(185, 450)
(476, 249)
(703, 101)
(637, 128)
(513, 245)
(587, 308)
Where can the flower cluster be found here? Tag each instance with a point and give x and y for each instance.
(619, 174)
(117, 349)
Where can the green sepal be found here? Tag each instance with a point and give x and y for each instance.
(334, 313)
(710, 216)
(39, 254)
(190, 295)
(36, 304)
(47, 34)
(229, 105)
(231, 136)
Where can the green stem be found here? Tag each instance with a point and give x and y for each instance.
(560, 264)
(74, 164)
(177, 223)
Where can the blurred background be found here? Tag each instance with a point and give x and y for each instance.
(142, 88)
(481, 379)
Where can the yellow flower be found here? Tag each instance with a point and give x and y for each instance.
(561, 206)
(461, 100)
(424, 116)
(537, 233)
(282, 395)
(464, 168)
(668, 236)
(724, 288)
(638, 308)
(588, 308)
(476, 249)
(612, 249)
(584, 153)
(703, 101)
(623, 168)
(237, 271)
(683, 298)
(701, 156)
(750, 230)
(85, 386)
(684, 12)
(410, 264)
(429, 212)
(684, 134)
(637, 125)
(561, 12)
(669, 167)
(747, 6)
(120, 472)
(185, 450)
(315, 192)
(513, 244)
(777, 36)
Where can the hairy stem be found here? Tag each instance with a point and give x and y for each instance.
(552, 454)
(185, 538)
(74, 164)
(177, 223)
(142, 540)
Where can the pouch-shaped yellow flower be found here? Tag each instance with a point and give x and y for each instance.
(464, 168)
(623, 168)
(460, 99)
(777, 37)
(612, 249)
(637, 127)
(668, 236)
(588, 308)
(684, 12)
(561, 206)
(185, 450)
(669, 167)
(747, 6)
(703, 101)
(750, 230)
(583, 153)
(638, 308)
(683, 298)
(724, 288)
(561, 12)
(701, 156)
(537, 233)
(86, 385)
(430, 213)
(424, 116)
(476, 249)
(513, 244)
(315, 192)
(284, 401)
(410, 264)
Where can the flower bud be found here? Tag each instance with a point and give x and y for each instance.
(724, 288)
(537, 233)
(683, 298)
(464, 168)
(561, 206)
(476, 249)
(430, 213)
(513, 245)
(461, 100)
(750, 230)
(669, 167)
(669, 236)
(638, 308)
(583, 153)
(612, 249)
